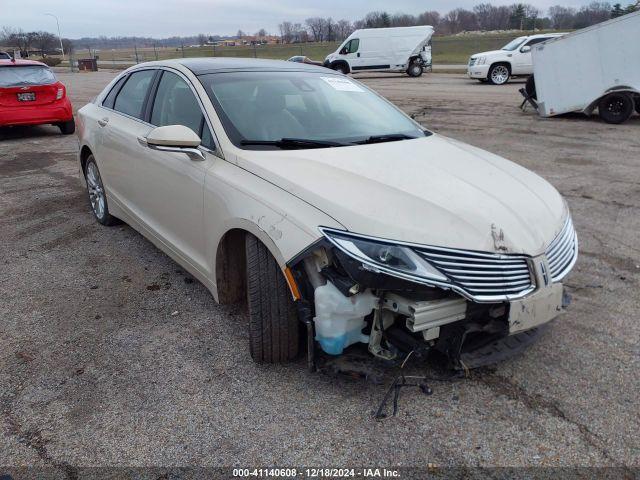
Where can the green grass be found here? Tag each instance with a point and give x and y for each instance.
(447, 50)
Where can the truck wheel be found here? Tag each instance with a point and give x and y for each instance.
(637, 102)
(499, 74)
(273, 322)
(530, 87)
(67, 128)
(415, 69)
(615, 108)
(341, 67)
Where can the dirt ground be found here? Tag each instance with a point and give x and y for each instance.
(96, 371)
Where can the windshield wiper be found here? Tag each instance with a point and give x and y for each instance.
(295, 143)
(391, 137)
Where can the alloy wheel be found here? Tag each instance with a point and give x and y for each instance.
(96, 190)
(500, 74)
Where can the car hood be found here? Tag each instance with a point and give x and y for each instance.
(431, 191)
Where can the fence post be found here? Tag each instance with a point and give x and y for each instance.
(155, 52)
(182, 47)
(255, 51)
(135, 49)
(214, 49)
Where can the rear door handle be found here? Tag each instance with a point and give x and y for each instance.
(103, 122)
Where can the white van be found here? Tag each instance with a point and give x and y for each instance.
(400, 49)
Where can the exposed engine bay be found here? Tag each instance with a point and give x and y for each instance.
(345, 302)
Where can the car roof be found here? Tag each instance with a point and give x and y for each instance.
(19, 62)
(201, 66)
(546, 35)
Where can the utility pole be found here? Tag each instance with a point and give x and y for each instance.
(59, 37)
(135, 49)
(182, 47)
(155, 52)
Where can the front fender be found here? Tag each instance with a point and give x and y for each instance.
(236, 199)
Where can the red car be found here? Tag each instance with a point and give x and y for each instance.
(30, 94)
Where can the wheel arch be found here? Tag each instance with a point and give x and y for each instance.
(506, 63)
(617, 89)
(229, 266)
(85, 152)
(335, 63)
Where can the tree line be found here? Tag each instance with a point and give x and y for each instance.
(482, 17)
(29, 41)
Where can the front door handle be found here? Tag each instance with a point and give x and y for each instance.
(358, 54)
(103, 122)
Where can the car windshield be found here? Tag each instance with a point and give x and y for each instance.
(513, 44)
(307, 110)
(13, 76)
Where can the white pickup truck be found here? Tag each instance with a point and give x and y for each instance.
(514, 59)
(596, 67)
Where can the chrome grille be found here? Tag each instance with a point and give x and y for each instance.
(483, 276)
(563, 252)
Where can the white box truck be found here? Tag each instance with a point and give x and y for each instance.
(594, 68)
(400, 49)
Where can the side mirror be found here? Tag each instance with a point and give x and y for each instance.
(343, 51)
(525, 49)
(174, 138)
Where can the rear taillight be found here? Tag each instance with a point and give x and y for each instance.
(60, 93)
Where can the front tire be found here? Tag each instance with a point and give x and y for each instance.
(415, 69)
(273, 322)
(341, 68)
(499, 74)
(97, 195)
(615, 108)
(67, 128)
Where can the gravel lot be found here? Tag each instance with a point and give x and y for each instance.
(96, 371)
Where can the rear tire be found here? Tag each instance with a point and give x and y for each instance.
(499, 74)
(637, 102)
(615, 108)
(67, 128)
(415, 69)
(97, 194)
(273, 322)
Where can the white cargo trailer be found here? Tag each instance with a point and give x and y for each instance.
(597, 67)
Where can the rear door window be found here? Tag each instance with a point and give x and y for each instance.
(13, 76)
(110, 98)
(132, 95)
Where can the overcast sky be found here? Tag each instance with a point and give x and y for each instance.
(165, 18)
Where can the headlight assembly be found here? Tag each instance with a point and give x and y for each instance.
(380, 256)
(481, 60)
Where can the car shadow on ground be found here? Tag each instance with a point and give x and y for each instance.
(13, 133)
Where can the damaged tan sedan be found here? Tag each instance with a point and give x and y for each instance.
(340, 221)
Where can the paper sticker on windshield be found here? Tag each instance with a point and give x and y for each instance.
(342, 84)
